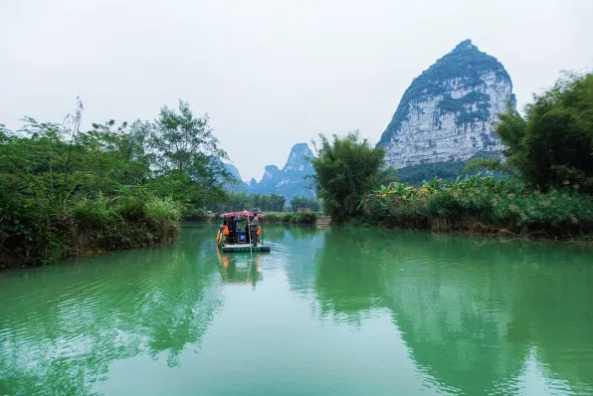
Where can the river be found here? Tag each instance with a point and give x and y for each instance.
(327, 312)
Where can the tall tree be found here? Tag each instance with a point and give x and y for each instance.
(345, 170)
(552, 147)
(184, 153)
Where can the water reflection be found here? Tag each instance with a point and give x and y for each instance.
(339, 311)
(240, 267)
(62, 327)
(295, 249)
(470, 309)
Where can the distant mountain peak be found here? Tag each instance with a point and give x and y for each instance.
(465, 45)
(291, 180)
(270, 171)
(298, 158)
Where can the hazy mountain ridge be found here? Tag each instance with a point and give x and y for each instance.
(290, 181)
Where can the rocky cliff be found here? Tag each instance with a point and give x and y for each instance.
(447, 113)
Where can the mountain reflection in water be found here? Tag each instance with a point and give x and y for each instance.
(339, 311)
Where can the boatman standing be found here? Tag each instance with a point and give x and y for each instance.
(254, 229)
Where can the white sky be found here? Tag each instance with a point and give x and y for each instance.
(269, 73)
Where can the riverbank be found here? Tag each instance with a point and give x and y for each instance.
(482, 205)
(66, 192)
(89, 226)
(308, 218)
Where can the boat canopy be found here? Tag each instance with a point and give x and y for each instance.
(244, 213)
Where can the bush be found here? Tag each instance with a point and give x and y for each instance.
(482, 204)
(99, 224)
(163, 210)
(94, 211)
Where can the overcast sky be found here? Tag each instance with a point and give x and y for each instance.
(270, 73)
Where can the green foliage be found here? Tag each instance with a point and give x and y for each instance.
(552, 147)
(63, 191)
(186, 156)
(300, 203)
(450, 170)
(163, 210)
(292, 218)
(345, 169)
(94, 210)
(416, 174)
(482, 204)
(242, 201)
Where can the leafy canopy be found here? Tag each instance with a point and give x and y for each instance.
(346, 169)
(552, 147)
(57, 182)
(185, 156)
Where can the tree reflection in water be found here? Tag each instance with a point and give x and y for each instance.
(79, 318)
(471, 310)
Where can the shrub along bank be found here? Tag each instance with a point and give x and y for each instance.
(65, 192)
(481, 205)
(291, 218)
(31, 235)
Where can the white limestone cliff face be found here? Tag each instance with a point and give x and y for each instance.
(445, 118)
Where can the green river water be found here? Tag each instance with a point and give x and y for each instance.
(327, 312)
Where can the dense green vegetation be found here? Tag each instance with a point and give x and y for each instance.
(552, 147)
(547, 189)
(302, 203)
(242, 201)
(465, 63)
(481, 204)
(345, 169)
(292, 218)
(448, 170)
(264, 203)
(64, 191)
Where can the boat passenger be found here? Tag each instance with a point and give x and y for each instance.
(233, 228)
(226, 229)
(254, 228)
(233, 225)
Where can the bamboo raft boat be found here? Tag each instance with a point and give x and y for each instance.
(231, 241)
